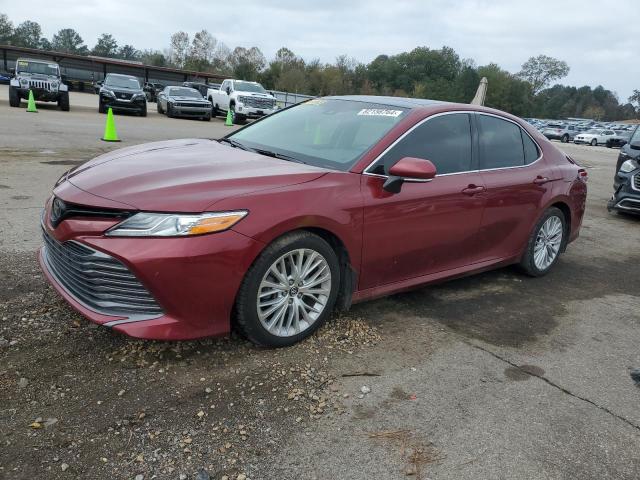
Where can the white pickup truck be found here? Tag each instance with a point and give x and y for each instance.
(243, 99)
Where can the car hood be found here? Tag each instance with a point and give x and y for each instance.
(254, 94)
(187, 175)
(187, 99)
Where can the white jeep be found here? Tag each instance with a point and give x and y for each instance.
(43, 78)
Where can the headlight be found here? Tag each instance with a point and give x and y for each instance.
(108, 93)
(139, 95)
(628, 166)
(176, 225)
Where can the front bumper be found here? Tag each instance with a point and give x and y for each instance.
(136, 105)
(253, 112)
(193, 280)
(191, 111)
(583, 141)
(39, 94)
(626, 197)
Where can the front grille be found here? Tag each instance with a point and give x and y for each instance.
(39, 84)
(97, 280)
(124, 96)
(636, 181)
(190, 104)
(257, 102)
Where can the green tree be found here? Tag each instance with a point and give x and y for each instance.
(540, 71)
(128, 52)
(153, 57)
(106, 46)
(635, 99)
(69, 41)
(246, 63)
(27, 34)
(6, 29)
(179, 48)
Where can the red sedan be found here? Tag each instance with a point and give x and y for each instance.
(334, 201)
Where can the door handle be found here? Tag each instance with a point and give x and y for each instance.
(539, 180)
(473, 189)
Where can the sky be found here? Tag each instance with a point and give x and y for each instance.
(599, 40)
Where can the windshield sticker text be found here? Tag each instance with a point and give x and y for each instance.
(377, 112)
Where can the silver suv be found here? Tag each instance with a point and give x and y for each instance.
(558, 131)
(43, 78)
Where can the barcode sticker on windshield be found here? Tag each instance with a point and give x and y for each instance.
(378, 112)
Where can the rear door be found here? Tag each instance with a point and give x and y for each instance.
(427, 227)
(516, 178)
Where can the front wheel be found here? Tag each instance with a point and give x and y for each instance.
(159, 108)
(565, 139)
(14, 97)
(143, 112)
(594, 142)
(63, 101)
(289, 291)
(545, 243)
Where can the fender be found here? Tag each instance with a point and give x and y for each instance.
(63, 88)
(14, 82)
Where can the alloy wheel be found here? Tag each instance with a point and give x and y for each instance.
(294, 292)
(548, 242)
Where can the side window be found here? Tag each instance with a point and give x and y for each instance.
(444, 140)
(223, 87)
(531, 152)
(500, 143)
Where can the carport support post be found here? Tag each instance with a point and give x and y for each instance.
(4, 58)
(146, 75)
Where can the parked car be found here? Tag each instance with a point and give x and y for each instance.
(243, 99)
(5, 78)
(619, 138)
(564, 133)
(202, 87)
(42, 78)
(626, 180)
(152, 90)
(122, 92)
(97, 85)
(594, 137)
(329, 202)
(183, 102)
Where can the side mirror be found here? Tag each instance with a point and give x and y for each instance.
(228, 90)
(409, 169)
(635, 144)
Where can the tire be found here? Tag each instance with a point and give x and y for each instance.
(169, 111)
(207, 117)
(143, 112)
(63, 101)
(609, 144)
(214, 109)
(594, 143)
(247, 316)
(14, 97)
(236, 118)
(529, 264)
(565, 138)
(159, 108)
(101, 108)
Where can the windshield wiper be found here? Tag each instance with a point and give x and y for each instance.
(236, 144)
(280, 156)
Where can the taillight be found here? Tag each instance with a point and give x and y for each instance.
(583, 176)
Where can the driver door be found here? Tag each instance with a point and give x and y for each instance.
(428, 227)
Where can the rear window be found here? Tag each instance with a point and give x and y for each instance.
(501, 143)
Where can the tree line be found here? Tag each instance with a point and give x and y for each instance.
(439, 74)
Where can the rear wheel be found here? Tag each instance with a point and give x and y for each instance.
(14, 97)
(545, 243)
(565, 138)
(289, 291)
(594, 142)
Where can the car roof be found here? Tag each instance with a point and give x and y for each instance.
(38, 60)
(121, 75)
(403, 102)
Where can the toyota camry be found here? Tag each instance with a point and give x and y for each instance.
(333, 201)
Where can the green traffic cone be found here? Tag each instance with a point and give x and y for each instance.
(31, 105)
(229, 121)
(110, 134)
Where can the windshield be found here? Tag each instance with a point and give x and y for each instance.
(122, 82)
(23, 66)
(241, 86)
(593, 132)
(321, 132)
(185, 92)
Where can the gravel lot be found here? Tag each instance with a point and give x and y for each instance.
(495, 376)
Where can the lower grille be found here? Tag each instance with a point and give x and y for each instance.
(636, 181)
(189, 104)
(98, 281)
